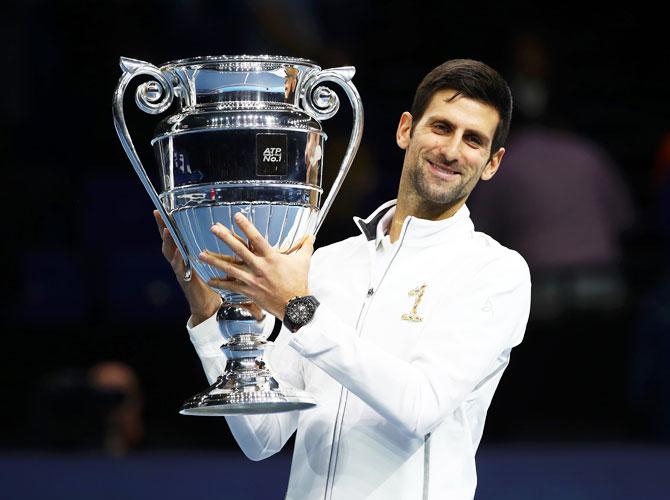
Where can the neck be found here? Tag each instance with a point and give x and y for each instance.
(417, 207)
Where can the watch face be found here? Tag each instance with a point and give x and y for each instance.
(300, 310)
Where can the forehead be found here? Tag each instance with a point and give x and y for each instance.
(463, 112)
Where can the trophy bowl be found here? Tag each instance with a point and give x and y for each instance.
(246, 137)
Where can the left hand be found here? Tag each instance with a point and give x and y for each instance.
(264, 274)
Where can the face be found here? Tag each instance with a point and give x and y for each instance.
(449, 150)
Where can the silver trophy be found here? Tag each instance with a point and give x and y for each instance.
(246, 137)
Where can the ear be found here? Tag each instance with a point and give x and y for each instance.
(493, 165)
(402, 135)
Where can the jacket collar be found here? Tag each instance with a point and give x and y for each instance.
(419, 231)
(369, 226)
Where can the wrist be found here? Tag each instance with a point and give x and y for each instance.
(202, 313)
(196, 320)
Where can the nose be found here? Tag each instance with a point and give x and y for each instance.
(450, 147)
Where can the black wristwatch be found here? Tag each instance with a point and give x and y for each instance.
(299, 312)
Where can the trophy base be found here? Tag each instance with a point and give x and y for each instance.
(246, 387)
(226, 408)
(230, 396)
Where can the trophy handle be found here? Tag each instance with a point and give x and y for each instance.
(153, 97)
(323, 103)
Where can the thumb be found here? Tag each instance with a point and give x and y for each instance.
(307, 246)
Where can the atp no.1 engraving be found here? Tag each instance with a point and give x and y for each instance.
(271, 154)
(413, 315)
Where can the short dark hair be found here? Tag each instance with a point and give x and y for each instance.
(472, 79)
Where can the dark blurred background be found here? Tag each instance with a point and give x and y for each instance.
(96, 355)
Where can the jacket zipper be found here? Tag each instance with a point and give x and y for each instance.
(344, 394)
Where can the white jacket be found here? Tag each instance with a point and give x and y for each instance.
(402, 403)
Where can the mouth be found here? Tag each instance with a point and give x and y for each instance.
(443, 171)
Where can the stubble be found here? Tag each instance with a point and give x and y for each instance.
(436, 192)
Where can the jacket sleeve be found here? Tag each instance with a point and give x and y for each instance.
(259, 436)
(461, 348)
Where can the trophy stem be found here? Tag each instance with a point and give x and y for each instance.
(246, 387)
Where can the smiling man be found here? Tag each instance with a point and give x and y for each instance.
(450, 144)
(401, 333)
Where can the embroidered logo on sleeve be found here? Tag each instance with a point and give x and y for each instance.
(418, 294)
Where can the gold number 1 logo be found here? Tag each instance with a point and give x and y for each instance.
(412, 315)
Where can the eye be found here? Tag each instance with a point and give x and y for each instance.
(440, 126)
(475, 139)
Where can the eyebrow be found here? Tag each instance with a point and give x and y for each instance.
(485, 139)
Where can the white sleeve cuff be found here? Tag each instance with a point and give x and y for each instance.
(206, 337)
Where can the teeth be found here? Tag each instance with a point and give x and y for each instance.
(444, 169)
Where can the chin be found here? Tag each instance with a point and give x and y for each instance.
(435, 196)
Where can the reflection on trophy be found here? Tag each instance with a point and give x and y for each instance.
(246, 137)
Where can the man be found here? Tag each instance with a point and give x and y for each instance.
(409, 325)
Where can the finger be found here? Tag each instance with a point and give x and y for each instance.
(307, 246)
(235, 244)
(296, 246)
(229, 284)
(258, 242)
(168, 248)
(233, 259)
(242, 241)
(223, 283)
(232, 270)
(238, 238)
(177, 262)
(159, 221)
(256, 311)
